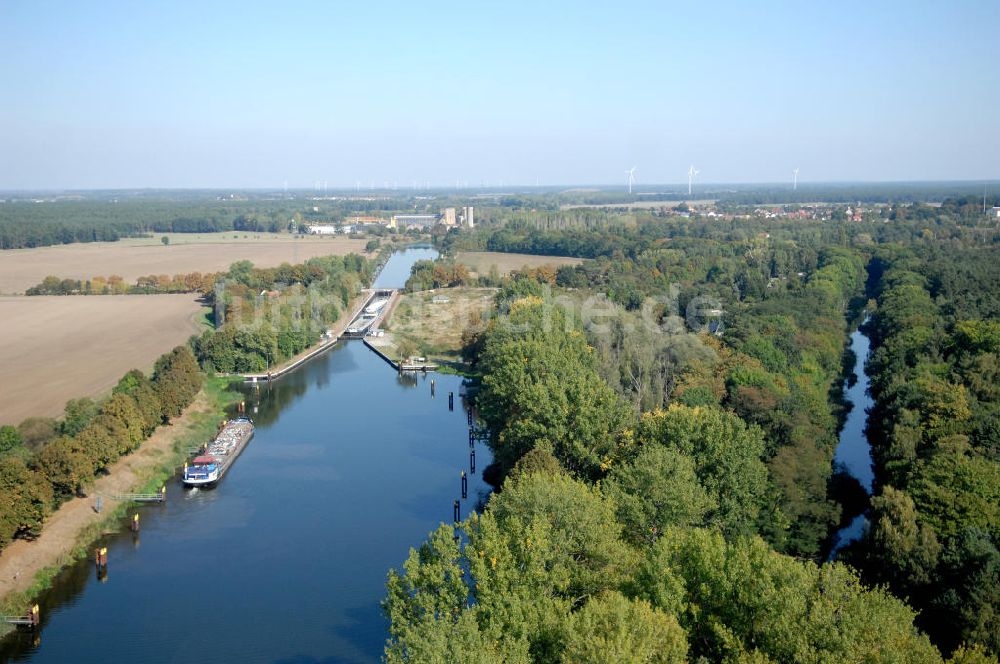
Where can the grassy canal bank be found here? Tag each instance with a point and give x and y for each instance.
(431, 323)
(29, 567)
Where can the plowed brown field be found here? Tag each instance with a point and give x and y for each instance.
(53, 349)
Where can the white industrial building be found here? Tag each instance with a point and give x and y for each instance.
(323, 230)
(402, 221)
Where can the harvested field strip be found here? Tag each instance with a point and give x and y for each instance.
(53, 349)
(21, 269)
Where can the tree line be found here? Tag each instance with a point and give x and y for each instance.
(44, 463)
(111, 217)
(191, 282)
(108, 218)
(24, 224)
(592, 233)
(264, 316)
(427, 274)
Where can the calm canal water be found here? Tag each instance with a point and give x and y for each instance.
(397, 269)
(853, 450)
(285, 561)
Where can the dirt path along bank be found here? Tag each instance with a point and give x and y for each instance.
(21, 560)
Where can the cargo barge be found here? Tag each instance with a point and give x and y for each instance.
(375, 307)
(208, 468)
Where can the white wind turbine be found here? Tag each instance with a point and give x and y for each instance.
(795, 178)
(691, 173)
(631, 178)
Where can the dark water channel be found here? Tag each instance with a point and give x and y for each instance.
(853, 451)
(284, 561)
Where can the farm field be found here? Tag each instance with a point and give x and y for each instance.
(131, 258)
(53, 349)
(480, 262)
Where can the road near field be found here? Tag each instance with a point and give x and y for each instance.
(53, 349)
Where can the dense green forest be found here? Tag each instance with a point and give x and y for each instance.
(62, 222)
(666, 492)
(775, 366)
(28, 224)
(44, 462)
(616, 539)
(935, 432)
(593, 233)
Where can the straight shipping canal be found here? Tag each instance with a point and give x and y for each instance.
(285, 561)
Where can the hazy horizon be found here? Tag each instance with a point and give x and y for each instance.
(640, 189)
(256, 96)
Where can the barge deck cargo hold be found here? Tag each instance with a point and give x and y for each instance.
(208, 468)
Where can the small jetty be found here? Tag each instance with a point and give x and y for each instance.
(381, 347)
(417, 364)
(31, 619)
(158, 497)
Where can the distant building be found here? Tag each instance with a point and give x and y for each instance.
(996, 212)
(448, 216)
(405, 220)
(323, 230)
(366, 220)
(467, 217)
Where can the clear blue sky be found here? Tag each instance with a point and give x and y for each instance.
(240, 94)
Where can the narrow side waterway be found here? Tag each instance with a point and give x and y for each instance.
(853, 450)
(285, 561)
